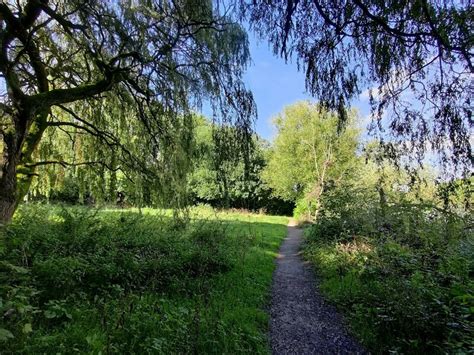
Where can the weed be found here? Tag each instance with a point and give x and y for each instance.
(75, 279)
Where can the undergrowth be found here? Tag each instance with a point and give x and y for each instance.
(85, 281)
(403, 278)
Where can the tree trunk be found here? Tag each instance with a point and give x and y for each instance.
(382, 201)
(318, 201)
(15, 172)
(8, 179)
(321, 186)
(8, 205)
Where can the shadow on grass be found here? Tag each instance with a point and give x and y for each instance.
(101, 281)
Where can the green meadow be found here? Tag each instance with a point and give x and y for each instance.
(129, 281)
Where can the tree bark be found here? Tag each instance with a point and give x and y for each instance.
(8, 201)
(18, 147)
(8, 179)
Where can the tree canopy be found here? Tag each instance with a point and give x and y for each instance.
(153, 59)
(308, 154)
(412, 58)
(231, 179)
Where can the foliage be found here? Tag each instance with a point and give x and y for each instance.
(308, 154)
(194, 170)
(76, 279)
(413, 59)
(401, 270)
(125, 73)
(231, 179)
(99, 174)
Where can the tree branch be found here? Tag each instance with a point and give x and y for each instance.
(63, 96)
(65, 23)
(66, 164)
(31, 13)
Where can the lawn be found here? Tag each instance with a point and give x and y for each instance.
(104, 281)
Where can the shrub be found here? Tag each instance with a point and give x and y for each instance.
(404, 279)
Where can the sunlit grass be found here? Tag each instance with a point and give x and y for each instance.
(132, 280)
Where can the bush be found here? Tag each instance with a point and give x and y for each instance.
(404, 278)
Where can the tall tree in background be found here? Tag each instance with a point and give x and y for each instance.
(414, 57)
(308, 154)
(224, 179)
(154, 58)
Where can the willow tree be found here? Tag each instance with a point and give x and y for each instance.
(118, 165)
(157, 58)
(414, 59)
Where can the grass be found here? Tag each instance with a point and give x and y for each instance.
(77, 280)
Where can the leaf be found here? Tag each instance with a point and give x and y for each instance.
(27, 328)
(49, 314)
(14, 268)
(5, 334)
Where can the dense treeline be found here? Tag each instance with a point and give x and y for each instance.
(214, 176)
(229, 179)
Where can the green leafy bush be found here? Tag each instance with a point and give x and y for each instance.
(404, 276)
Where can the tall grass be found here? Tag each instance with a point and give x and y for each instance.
(78, 280)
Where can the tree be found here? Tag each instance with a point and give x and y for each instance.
(308, 154)
(95, 172)
(413, 57)
(230, 178)
(154, 59)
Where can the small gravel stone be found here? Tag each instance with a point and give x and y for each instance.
(301, 322)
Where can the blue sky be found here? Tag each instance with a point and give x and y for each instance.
(276, 84)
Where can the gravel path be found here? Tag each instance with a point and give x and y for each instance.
(301, 321)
